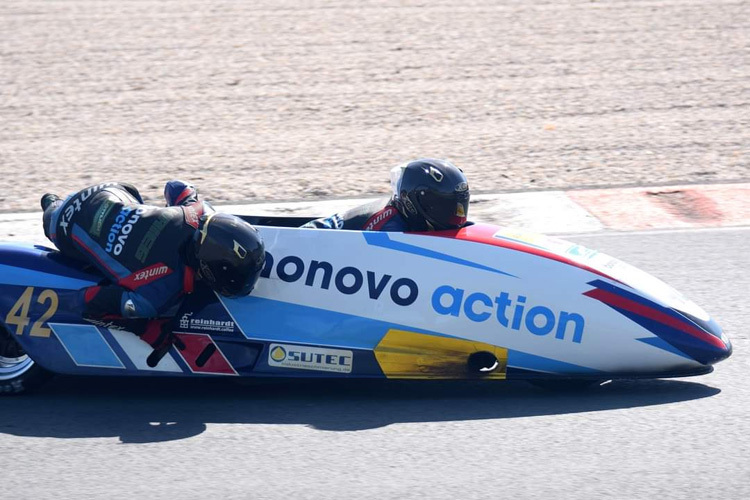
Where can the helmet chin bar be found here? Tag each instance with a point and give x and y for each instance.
(419, 222)
(408, 205)
(434, 226)
(206, 275)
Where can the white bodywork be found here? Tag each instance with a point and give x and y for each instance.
(465, 290)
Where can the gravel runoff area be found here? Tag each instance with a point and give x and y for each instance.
(284, 100)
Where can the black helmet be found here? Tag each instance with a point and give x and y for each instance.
(431, 194)
(230, 254)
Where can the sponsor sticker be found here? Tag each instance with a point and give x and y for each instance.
(193, 213)
(460, 210)
(581, 252)
(187, 322)
(145, 276)
(105, 324)
(99, 217)
(530, 238)
(348, 280)
(74, 204)
(120, 229)
(512, 311)
(144, 248)
(151, 272)
(310, 358)
(379, 219)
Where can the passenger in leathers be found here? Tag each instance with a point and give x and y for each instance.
(151, 256)
(428, 195)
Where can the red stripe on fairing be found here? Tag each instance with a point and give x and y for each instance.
(614, 300)
(78, 240)
(482, 233)
(195, 343)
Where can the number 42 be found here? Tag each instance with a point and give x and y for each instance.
(19, 313)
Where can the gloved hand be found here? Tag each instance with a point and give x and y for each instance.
(158, 334)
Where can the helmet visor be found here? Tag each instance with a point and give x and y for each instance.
(444, 210)
(225, 278)
(396, 174)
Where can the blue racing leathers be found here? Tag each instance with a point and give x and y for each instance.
(143, 251)
(378, 215)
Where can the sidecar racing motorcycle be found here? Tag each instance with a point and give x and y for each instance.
(481, 302)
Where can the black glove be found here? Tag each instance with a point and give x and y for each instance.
(158, 334)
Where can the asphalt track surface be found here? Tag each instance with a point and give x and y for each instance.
(686, 438)
(281, 99)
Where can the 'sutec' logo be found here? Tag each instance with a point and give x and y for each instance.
(310, 358)
(278, 354)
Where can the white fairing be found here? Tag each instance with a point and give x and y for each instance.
(465, 289)
(639, 280)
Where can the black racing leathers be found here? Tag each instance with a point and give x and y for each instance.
(379, 215)
(142, 250)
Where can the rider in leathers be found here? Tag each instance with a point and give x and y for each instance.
(151, 256)
(428, 195)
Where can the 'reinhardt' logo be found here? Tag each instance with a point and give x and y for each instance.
(187, 322)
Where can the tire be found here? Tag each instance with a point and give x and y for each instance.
(18, 372)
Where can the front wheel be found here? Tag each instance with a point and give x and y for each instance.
(18, 372)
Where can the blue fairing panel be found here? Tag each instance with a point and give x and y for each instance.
(273, 320)
(26, 265)
(87, 346)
